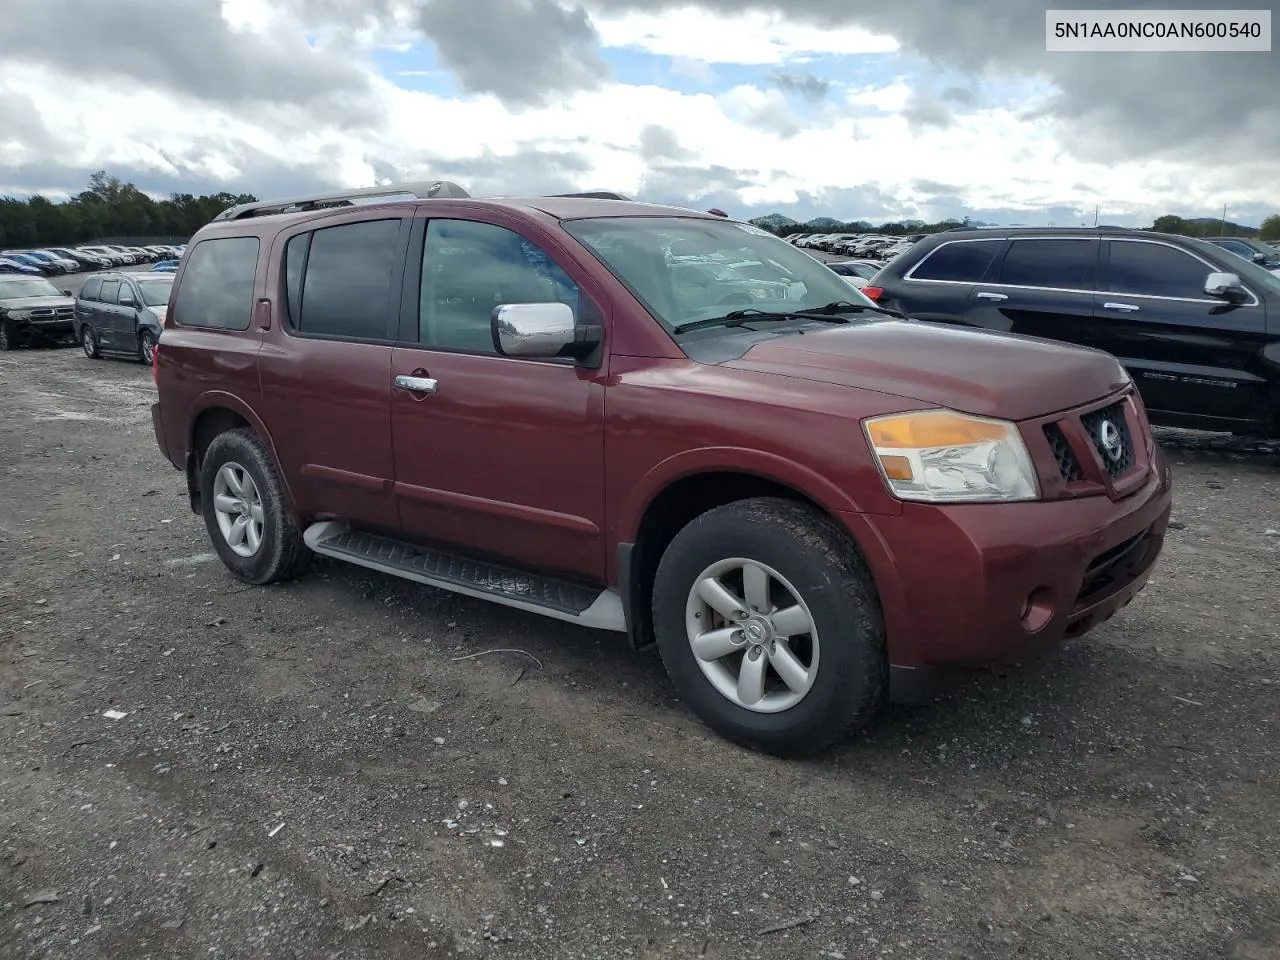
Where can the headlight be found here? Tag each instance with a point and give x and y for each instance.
(940, 456)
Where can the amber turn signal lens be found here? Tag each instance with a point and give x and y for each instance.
(933, 429)
(897, 468)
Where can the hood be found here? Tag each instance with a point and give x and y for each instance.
(37, 303)
(980, 372)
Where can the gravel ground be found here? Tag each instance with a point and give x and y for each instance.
(339, 767)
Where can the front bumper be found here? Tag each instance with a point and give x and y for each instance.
(55, 327)
(964, 585)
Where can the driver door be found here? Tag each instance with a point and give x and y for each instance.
(503, 456)
(1189, 353)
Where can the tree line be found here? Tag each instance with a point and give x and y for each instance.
(108, 208)
(113, 208)
(1202, 227)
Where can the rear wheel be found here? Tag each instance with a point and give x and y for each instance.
(247, 511)
(89, 341)
(769, 627)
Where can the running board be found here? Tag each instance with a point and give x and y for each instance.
(559, 599)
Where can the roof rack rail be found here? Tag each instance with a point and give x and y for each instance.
(590, 195)
(418, 190)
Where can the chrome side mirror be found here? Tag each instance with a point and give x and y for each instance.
(1225, 285)
(534, 329)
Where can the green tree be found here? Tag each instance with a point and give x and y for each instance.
(110, 207)
(1270, 228)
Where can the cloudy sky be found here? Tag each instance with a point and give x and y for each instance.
(874, 109)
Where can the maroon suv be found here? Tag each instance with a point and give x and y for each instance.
(655, 421)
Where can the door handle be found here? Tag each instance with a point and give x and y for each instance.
(416, 384)
(985, 295)
(1122, 307)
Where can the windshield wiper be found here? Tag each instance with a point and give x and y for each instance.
(844, 306)
(828, 313)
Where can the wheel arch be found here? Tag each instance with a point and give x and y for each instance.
(214, 414)
(652, 522)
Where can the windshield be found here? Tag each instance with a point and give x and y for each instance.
(686, 269)
(18, 289)
(155, 292)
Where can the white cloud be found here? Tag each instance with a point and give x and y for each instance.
(990, 158)
(752, 37)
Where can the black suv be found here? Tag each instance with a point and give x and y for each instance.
(1197, 327)
(33, 309)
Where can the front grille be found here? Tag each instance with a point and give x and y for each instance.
(1110, 445)
(1068, 463)
(1109, 433)
(53, 313)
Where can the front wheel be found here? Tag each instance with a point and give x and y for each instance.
(8, 336)
(769, 626)
(146, 346)
(247, 510)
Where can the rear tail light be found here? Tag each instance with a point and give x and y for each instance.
(155, 364)
(875, 293)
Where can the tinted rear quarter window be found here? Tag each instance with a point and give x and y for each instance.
(217, 287)
(91, 288)
(963, 261)
(1065, 264)
(346, 287)
(1156, 270)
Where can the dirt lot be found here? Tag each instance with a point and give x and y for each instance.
(315, 770)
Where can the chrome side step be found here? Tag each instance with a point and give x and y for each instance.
(550, 597)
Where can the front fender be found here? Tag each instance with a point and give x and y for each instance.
(768, 466)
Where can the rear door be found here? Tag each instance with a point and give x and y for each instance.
(1190, 354)
(326, 372)
(938, 287)
(1044, 288)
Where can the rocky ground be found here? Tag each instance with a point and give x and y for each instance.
(340, 767)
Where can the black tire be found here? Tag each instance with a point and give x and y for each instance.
(146, 346)
(89, 342)
(282, 554)
(8, 336)
(821, 563)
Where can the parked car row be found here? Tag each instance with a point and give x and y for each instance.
(114, 313)
(56, 261)
(863, 245)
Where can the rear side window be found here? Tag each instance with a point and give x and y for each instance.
(217, 288)
(339, 280)
(1156, 270)
(963, 261)
(1066, 264)
(110, 291)
(91, 288)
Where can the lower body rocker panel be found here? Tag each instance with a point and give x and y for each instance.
(548, 596)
